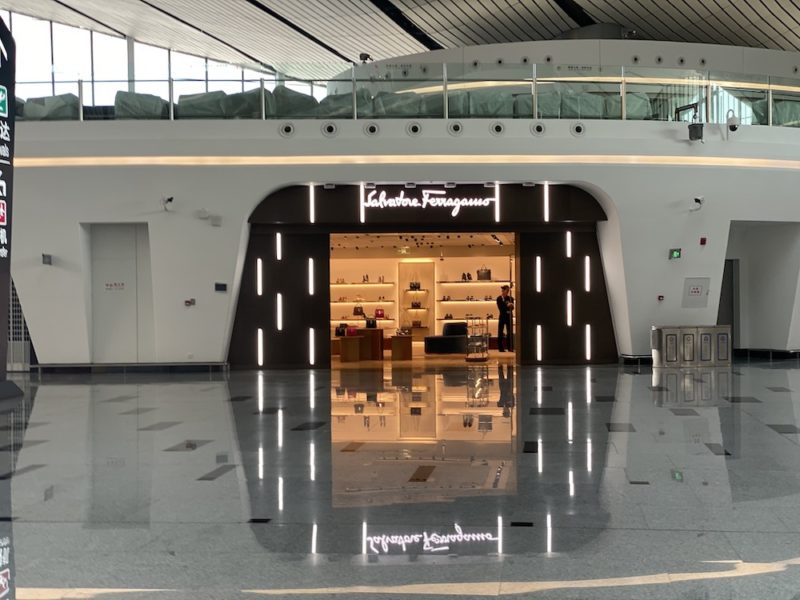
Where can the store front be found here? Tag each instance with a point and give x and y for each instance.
(325, 257)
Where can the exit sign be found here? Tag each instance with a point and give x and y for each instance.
(674, 253)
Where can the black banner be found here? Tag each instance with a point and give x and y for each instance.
(7, 108)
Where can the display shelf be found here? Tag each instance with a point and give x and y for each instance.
(362, 301)
(386, 283)
(467, 301)
(348, 320)
(418, 308)
(416, 291)
(474, 281)
(462, 319)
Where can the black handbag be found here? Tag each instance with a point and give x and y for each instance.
(371, 323)
(358, 310)
(484, 274)
(341, 329)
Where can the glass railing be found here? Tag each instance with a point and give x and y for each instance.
(432, 91)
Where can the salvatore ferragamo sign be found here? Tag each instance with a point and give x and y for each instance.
(379, 202)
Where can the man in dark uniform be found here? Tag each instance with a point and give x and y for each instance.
(505, 304)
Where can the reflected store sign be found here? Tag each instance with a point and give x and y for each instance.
(468, 202)
(5, 566)
(455, 541)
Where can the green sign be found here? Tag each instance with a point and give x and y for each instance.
(674, 253)
(3, 102)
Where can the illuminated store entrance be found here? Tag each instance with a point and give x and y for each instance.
(432, 287)
(330, 262)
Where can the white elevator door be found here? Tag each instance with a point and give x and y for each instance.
(122, 305)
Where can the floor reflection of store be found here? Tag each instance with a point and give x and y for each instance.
(403, 435)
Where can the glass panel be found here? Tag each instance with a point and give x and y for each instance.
(489, 90)
(189, 73)
(252, 79)
(33, 56)
(674, 94)
(72, 53)
(224, 78)
(151, 70)
(294, 98)
(746, 96)
(580, 92)
(396, 90)
(110, 69)
(785, 102)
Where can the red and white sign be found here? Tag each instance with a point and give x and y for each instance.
(5, 582)
(2, 212)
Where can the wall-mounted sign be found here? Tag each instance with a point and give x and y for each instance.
(433, 542)
(674, 253)
(7, 118)
(115, 286)
(465, 203)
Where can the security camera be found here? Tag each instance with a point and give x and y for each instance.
(364, 57)
(733, 121)
(169, 200)
(166, 202)
(698, 203)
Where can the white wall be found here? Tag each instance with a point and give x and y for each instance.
(648, 207)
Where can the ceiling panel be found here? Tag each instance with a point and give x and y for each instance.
(53, 11)
(349, 26)
(455, 23)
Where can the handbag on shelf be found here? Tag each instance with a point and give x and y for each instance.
(371, 323)
(416, 304)
(341, 329)
(358, 310)
(414, 286)
(359, 408)
(416, 323)
(379, 313)
(484, 274)
(351, 331)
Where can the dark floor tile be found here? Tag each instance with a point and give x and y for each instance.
(187, 446)
(21, 471)
(742, 399)
(119, 399)
(137, 411)
(639, 482)
(544, 388)
(352, 447)
(547, 410)
(657, 388)
(269, 410)
(216, 473)
(620, 427)
(421, 474)
(718, 449)
(785, 428)
(240, 398)
(684, 412)
(530, 448)
(49, 492)
(605, 398)
(160, 426)
(309, 425)
(521, 524)
(778, 389)
(262, 521)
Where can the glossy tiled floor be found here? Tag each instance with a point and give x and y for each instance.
(436, 481)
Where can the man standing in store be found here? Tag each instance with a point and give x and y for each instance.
(505, 304)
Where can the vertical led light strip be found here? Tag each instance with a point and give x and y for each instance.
(312, 461)
(314, 538)
(569, 244)
(496, 202)
(280, 493)
(363, 537)
(260, 347)
(260, 463)
(312, 204)
(280, 428)
(312, 390)
(310, 276)
(538, 273)
(311, 346)
(539, 343)
(279, 312)
(571, 484)
(588, 342)
(278, 247)
(587, 274)
(499, 535)
(259, 276)
(361, 199)
(549, 533)
(546, 202)
(569, 308)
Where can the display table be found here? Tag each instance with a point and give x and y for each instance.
(371, 343)
(350, 348)
(401, 347)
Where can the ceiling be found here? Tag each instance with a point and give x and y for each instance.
(315, 38)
